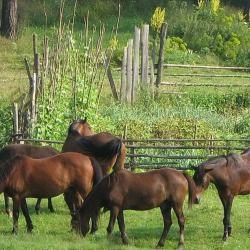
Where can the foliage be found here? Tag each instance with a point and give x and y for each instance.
(157, 19)
(6, 124)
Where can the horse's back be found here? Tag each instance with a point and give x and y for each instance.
(151, 188)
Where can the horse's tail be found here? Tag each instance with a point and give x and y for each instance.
(100, 151)
(98, 174)
(191, 190)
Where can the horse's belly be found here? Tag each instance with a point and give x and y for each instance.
(245, 187)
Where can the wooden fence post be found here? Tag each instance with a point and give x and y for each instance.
(111, 79)
(15, 121)
(136, 58)
(129, 71)
(123, 76)
(144, 64)
(161, 53)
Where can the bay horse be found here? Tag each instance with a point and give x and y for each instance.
(231, 176)
(33, 151)
(82, 139)
(24, 177)
(122, 190)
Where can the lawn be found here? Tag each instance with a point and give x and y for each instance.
(203, 228)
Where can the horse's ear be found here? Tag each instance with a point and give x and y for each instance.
(85, 119)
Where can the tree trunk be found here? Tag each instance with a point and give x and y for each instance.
(9, 18)
(246, 7)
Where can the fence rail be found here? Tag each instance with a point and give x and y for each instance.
(156, 153)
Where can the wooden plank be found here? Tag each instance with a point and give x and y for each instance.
(136, 50)
(123, 76)
(144, 63)
(161, 54)
(15, 119)
(129, 71)
(203, 85)
(208, 75)
(204, 67)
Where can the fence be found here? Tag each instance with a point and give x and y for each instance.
(148, 73)
(176, 153)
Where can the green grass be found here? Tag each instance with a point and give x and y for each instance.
(203, 228)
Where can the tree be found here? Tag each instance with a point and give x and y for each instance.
(9, 18)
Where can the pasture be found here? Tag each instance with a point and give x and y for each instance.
(203, 228)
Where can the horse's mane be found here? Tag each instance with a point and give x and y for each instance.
(231, 159)
(99, 150)
(7, 167)
(247, 150)
(98, 194)
(213, 160)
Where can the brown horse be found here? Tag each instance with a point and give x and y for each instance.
(23, 177)
(82, 139)
(33, 151)
(165, 188)
(231, 176)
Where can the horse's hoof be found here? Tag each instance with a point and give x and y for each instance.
(159, 245)
(224, 238)
(52, 210)
(14, 231)
(37, 212)
(180, 247)
(9, 213)
(125, 240)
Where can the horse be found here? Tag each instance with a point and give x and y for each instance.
(24, 177)
(122, 190)
(82, 139)
(30, 150)
(231, 176)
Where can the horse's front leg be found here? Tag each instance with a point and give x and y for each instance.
(50, 206)
(121, 224)
(7, 204)
(113, 215)
(25, 211)
(227, 202)
(16, 205)
(38, 205)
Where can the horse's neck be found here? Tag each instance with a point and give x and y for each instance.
(246, 158)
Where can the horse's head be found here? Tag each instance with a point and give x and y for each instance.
(84, 224)
(81, 127)
(201, 179)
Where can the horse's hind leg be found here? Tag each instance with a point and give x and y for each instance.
(16, 205)
(37, 206)
(69, 197)
(120, 219)
(227, 201)
(50, 206)
(181, 221)
(7, 204)
(166, 213)
(25, 211)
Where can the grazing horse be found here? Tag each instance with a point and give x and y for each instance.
(165, 188)
(33, 151)
(68, 173)
(82, 139)
(231, 176)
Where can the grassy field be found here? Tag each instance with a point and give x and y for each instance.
(203, 228)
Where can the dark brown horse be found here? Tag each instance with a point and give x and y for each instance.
(33, 151)
(23, 177)
(122, 190)
(82, 139)
(231, 176)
